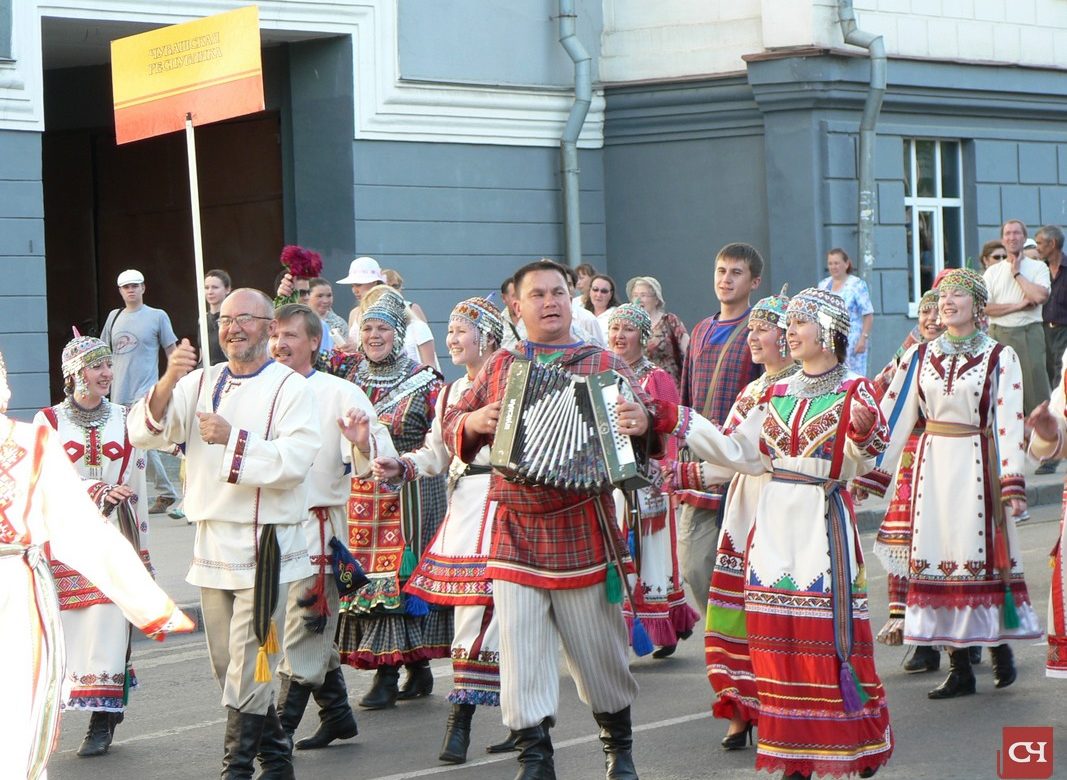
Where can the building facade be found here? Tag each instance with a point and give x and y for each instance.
(427, 135)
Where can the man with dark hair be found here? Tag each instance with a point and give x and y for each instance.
(548, 558)
(250, 432)
(717, 367)
(350, 438)
(1054, 313)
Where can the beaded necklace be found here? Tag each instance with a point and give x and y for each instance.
(804, 385)
(96, 417)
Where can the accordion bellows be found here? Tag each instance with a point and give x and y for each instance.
(558, 429)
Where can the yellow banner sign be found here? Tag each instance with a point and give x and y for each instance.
(210, 68)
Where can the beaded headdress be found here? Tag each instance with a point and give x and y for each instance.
(929, 300)
(81, 352)
(968, 280)
(5, 391)
(825, 308)
(485, 317)
(388, 307)
(772, 309)
(636, 316)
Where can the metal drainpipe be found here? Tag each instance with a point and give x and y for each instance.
(568, 144)
(868, 201)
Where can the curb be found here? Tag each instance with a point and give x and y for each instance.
(195, 613)
(1040, 494)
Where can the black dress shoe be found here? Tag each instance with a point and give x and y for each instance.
(665, 652)
(509, 745)
(739, 740)
(924, 659)
(98, 739)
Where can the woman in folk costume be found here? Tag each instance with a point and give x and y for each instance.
(894, 534)
(725, 638)
(660, 595)
(965, 578)
(451, 572)
(43, 502)
(380, 628)
(92, 431)
(822, 709)
(1049, 442)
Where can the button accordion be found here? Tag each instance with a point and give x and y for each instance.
(559, 430)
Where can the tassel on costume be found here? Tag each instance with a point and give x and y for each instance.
(408, 562)
(262, 666)
(1011, 614)
(415, 606)
(639, 639)
(271, 645)
(852, 694)
(613, 585)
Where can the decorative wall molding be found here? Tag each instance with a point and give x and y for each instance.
(386, 107)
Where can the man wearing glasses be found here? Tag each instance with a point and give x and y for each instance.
(250, 431)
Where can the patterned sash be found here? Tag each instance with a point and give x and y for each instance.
(837, 524)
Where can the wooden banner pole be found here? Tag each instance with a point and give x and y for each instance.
(198, 246)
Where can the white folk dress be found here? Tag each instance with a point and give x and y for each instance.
(96, 633)
(451, 572)
(42, 501)
(968, 462)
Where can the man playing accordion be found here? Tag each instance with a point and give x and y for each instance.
(549, 558)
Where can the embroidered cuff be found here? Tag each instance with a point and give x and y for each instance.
(154, 426)
(875, 482)
(1012, 486)
(409, 472)
(874, 442)
(233, 457)
(176, 622)
(465, 452)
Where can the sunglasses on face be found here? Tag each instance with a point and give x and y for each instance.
(999, 257)
(600, 289)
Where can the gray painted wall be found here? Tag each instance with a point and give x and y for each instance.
(456, 219)
(492, 41)
(23, 312)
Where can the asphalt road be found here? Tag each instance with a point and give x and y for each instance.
(174, 725)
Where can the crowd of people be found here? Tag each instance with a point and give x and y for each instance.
(347, 511)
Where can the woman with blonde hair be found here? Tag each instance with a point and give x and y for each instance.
(669, 341)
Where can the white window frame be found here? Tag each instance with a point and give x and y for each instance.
(934, 205)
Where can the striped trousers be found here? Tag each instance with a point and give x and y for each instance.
(309, 656)
(533, 624)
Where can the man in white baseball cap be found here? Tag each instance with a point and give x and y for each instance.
(364, 273)
(135, 334)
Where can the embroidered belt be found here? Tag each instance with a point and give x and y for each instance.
(837, 524)
(44, 714)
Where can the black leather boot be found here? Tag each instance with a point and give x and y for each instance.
(617, 735)
(924, 659)
(535, 752)
(457, 734)
(275, 749)
(509, 745)
(241, 744)
(98, 737)
(292, 701)
(419, 681)
(383, 692)
(1003, 666)
(960, 680)
(336, 720)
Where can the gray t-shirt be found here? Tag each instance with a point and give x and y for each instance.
(135, 340)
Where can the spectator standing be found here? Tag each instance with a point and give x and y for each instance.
(1031, 250)
(1054, 313)
(586, 272)
(601, 299)
(670, 339)
(717, 367)
(842, 281)
(993, 252)
(216, 287)
(1018, 287)
(321, 302)
(135, 334)
(364, 274)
